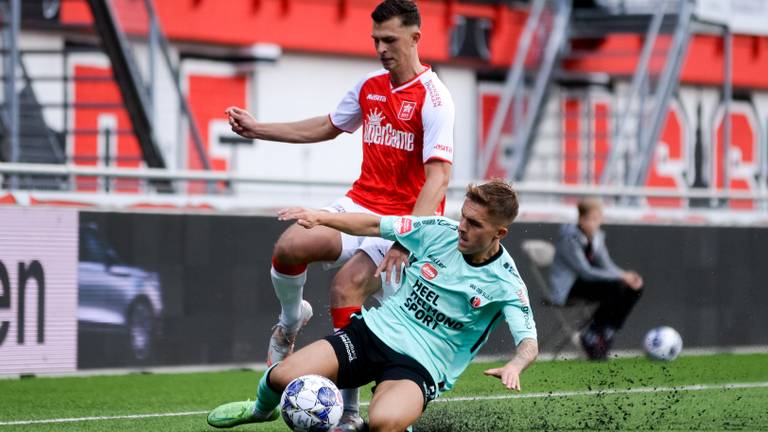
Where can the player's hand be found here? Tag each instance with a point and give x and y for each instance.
(634, 280)
(509, 375)
(304, 217)
(394, 261)
(241, 122)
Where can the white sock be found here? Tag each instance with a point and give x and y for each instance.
(289, 290)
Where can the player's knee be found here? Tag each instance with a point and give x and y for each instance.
(286, 253)
(348, 286)
(282, 374)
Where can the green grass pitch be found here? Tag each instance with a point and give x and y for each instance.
(718, 392)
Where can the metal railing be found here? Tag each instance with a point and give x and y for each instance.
(456, 189)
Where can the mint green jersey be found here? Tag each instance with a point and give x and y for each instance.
(446, 307)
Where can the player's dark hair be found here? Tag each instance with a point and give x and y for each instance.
(405, 9)
(498, 196)
(587, 205)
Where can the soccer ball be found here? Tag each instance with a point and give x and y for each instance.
(663, 343)
(311, 403)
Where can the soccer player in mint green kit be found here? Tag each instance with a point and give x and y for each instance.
(460, 284)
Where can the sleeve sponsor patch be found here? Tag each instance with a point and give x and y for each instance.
(403, 225)
(522, 296)
(434, 95)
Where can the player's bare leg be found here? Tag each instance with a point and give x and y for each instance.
(353, 283)
(317, 358)
(294, 250)
(395, 406)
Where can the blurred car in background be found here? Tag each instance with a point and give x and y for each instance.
(116, 297)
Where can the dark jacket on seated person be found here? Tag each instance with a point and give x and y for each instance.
(571, 263)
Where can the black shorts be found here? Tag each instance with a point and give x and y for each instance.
(363, 358)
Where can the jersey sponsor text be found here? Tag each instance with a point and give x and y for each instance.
(434, 95)
(403, 225)
(374, 132)
(443, 147)
(375, 97)
(422, 304)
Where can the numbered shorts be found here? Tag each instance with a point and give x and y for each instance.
(363, 358)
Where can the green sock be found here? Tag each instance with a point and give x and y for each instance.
(267, 399)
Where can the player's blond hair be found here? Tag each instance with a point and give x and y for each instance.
(498, 196)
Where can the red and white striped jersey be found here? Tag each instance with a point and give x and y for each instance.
(403, 128)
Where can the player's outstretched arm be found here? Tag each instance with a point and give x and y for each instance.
(361, 224)
(437, 174)
(311, 130)
(526, 353)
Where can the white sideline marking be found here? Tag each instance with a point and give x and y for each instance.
(96, 418)
(697, 387)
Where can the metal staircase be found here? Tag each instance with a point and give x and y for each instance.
(552, 29)
(649, 119)
(128, 78)
(41, 144)
(545, 30)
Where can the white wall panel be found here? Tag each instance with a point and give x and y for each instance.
(297, 87)
(42, 240)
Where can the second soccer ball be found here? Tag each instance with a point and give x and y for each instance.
(663, 343)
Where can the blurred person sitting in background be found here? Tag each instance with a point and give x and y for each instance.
(583, 269)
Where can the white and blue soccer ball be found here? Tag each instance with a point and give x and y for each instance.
(663, 343)
(311, 403)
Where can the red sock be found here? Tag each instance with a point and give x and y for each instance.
(342, 316)
(288, 269)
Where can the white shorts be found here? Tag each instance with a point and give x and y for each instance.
(375, 247)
